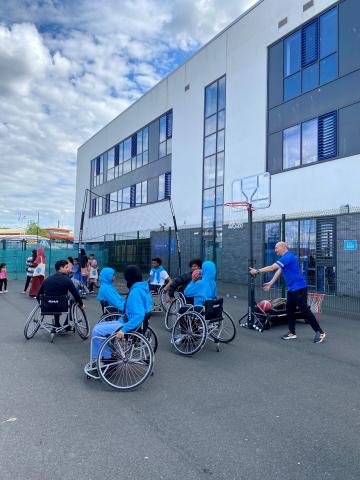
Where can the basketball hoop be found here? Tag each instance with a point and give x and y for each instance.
(315, 302)
(238, 214)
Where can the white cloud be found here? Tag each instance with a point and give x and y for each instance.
(68, 68)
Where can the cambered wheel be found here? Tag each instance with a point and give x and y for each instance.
(224, 331)
(189, 333)
(80, 322)
(126, 363)
(171, 314)
(33, 322)
(151, 337)
(110, 317)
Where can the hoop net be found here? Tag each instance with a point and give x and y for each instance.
(238, 214)
(315, 302)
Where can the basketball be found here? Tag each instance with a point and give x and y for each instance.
(264, 306)
(196, 275)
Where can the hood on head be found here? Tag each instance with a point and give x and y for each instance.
(208, 270)
(132, 274)
(106, 275)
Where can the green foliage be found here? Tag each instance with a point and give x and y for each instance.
(33, 229)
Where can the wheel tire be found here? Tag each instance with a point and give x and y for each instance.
(81, 323)
(171, 314)
(133, 349)
(192, 342)
(228, 325)
(151, 337)
(31, 319)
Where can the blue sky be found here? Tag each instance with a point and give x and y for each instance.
(67, 69)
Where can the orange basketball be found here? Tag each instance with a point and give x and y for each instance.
(264, 306)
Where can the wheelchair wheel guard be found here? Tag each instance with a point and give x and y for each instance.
(126, 363)
(223, 330)
(189, 333)
(33, 322)
(80, 320)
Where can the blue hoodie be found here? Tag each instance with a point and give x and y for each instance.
(107, 291)
(204, 289)
(138, 303)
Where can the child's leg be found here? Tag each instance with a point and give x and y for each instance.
(5, 284)
(1, 284)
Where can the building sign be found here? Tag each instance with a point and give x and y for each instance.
(350, 245)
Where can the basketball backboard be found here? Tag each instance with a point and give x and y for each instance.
(255, 189)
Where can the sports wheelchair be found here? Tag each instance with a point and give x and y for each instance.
(196, 324)
(60, 305)
(159, 298)
(125, 363)
(173, 309)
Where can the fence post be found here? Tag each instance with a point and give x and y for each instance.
(169, 251)
(283, 218)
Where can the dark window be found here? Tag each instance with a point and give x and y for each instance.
(116, 155)
(132, 196)
(107, 203)
(133, 145)
(167, 184)
(328, 33)
(327, 136)
(93, 207)
(169, 125)
(309, 43)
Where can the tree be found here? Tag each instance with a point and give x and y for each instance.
(33, 229)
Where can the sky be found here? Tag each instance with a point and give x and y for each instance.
(67, 69)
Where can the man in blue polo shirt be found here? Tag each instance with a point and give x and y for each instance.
(288, 265)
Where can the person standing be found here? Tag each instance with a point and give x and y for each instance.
(29, 269)
(84, 267)
(3, 278)
(288, 266)
(39, 272)
(93, 272)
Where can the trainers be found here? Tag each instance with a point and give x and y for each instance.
(6, 291)
(179, 340)
(319, 337)
(289, 336)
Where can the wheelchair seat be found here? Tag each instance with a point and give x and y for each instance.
(213, 309)
(54, 304)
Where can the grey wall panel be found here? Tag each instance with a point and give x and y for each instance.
(154, 141)
(274, 154)
(349, 130)
(136, 176)
(275, 75)
(334, 95)
(349, 36)
(153, 187)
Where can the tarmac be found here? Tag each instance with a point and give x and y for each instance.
(260, 408)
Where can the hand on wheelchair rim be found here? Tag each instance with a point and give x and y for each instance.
(120, 335)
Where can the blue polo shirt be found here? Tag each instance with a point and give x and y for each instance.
(291, 272)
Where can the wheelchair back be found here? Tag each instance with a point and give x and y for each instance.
(53, 305)
(213, 309)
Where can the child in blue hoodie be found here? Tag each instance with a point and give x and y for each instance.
(204, 289)
(107, 292)
(137, 304)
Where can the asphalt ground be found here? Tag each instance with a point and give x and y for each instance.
(260, 408)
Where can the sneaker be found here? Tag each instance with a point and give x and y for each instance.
(289, 336)
(179, 340)
(319, 337)
(6, 291)
(1, 291)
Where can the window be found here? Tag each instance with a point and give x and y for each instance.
(144, 192)
(161, 190)
(311, 141)
(113, 202)
(167, 184)
(213, 167)
(107, 203)
(97, 171)
(126, 198)
(310, 55)
(291, 147)
(138, 194)
(165, 134)
(112, 166)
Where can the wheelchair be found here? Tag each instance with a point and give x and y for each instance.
(63, 306)
(173, 308)
(196, 324)
(159, 298)
(125, 363)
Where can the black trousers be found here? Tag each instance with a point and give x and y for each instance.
(27, 283)
(3, 281)
(298, 298)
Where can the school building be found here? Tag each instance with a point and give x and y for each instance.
(276, 91)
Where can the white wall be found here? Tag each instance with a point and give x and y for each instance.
(241, 53)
